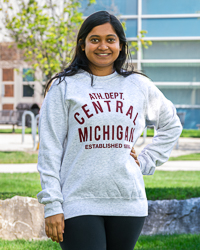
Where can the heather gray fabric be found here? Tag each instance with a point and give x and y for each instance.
(86, 134)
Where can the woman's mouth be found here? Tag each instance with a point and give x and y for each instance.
(103, 54)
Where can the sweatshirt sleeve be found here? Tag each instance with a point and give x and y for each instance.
(53, 126)
(160, 113)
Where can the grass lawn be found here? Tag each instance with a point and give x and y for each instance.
(17, 157)
(162, 185)
(178, 185)
(191, 157)
(158, 242)
(24, 184)
(17, 130)
(24, 157)
(169, 242)
(192, 133)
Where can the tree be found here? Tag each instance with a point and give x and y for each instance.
(140, 43)
(44, 30)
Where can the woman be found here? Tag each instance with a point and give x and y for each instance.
(92, 115)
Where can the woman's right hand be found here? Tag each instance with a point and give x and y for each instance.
(54, 227)
(133, 154)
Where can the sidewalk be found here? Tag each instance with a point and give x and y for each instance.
(13, 142)
(168, 166)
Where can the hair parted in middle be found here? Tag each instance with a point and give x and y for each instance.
(80, 60)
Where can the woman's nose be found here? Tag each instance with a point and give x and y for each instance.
(103, 46)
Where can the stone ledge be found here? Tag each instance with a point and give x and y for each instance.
(173, 216)
(23, 218)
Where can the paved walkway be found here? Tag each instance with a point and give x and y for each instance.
(18, 168)
(13, 142)
(168, 166)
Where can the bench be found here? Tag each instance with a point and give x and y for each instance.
(13, 117)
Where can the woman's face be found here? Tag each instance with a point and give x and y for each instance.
(102, 47)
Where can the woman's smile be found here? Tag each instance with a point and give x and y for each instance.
(102, 54)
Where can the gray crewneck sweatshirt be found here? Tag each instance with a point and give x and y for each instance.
(86, 134)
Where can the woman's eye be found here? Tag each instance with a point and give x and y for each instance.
(95, 40)
(111, 40)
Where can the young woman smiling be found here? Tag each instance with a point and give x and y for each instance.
(92, 115)
(102, 48)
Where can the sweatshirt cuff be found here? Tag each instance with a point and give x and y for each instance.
(145, 168)
(142, 164)
(53, 209)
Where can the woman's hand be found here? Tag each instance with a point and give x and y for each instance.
(133, 154)
(54, 227)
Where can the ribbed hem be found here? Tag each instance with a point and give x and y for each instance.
(142, 164)
(52, 209)
(143, 167)
(109, 207)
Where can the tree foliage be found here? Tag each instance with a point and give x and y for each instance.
(44, 30)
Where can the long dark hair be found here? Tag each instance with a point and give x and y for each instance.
(80, 61)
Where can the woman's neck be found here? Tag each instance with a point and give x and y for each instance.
(102, 71)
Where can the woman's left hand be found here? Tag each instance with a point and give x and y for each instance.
(133, 154)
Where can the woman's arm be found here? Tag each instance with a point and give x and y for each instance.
(53, 127)
(160, 113)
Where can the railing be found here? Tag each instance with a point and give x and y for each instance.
(34, 122)
(19, 117)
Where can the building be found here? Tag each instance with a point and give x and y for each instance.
(173, 60)
(15, 86)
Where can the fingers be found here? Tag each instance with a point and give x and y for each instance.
(54, 227)
(63, 224)
(134, 155)
(60, 233)
(137, 163)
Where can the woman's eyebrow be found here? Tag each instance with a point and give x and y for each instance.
(106, 36)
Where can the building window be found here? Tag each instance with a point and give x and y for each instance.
(197, 97)
(169, 72)
(8, 75)
(28, 91)
(9, 90)
(165, 7)
(8, 106)
(172, 50)
(28, 76)
(178, 96)
(171, 27)
(131, 27)
(116, 7)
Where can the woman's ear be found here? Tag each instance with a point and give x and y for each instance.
(82, 45)
(121, 45)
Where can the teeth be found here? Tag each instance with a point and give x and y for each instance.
(102, 54)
